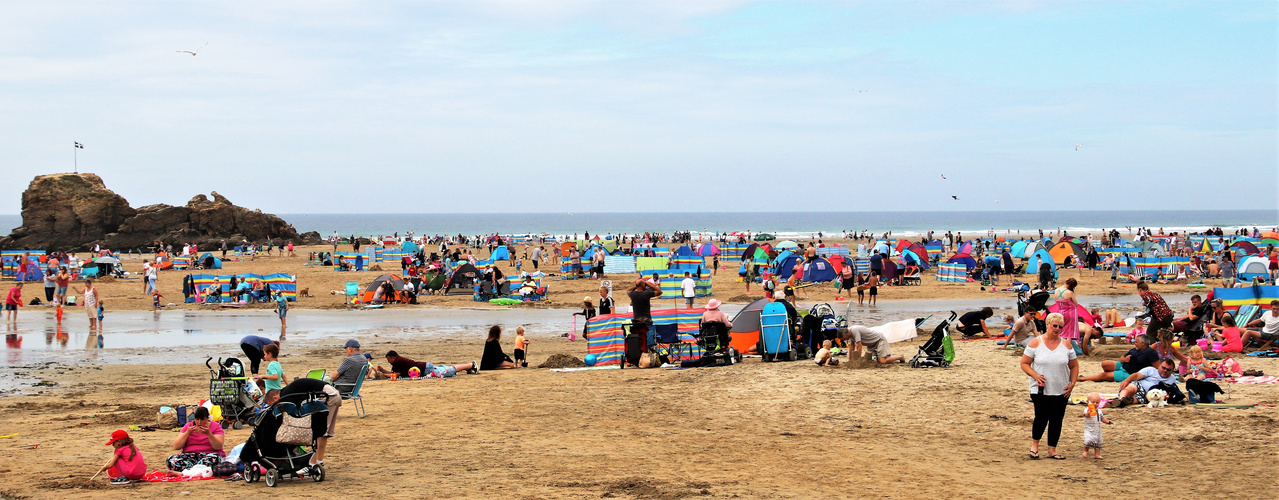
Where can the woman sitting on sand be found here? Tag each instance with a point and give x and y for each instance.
(494, 358)
(199, 442)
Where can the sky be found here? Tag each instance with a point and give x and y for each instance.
(649, 106)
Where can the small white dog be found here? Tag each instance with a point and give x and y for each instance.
(1156, 398)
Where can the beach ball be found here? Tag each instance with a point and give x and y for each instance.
(414, 372)
(590, 360)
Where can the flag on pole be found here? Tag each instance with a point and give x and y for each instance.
(79, 146)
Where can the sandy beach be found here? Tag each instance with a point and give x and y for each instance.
(782, 430)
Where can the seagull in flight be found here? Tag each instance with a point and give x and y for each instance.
(943, 177)
(955, 197)
(192, 52)
(1077, 146)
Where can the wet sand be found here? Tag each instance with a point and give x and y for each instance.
(788, 430)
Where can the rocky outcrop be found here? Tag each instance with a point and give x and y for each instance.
(76, 211)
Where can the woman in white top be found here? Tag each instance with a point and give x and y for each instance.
(1050, 362)
(91, 302)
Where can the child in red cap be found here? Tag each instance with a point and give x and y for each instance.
(127, 464)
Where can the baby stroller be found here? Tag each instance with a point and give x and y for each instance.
(227, 390)
(1032, 300)
(281, 459)
(819, 325)
(939, 351)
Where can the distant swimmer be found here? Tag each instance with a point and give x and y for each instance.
(1077, 146)
(192, 52)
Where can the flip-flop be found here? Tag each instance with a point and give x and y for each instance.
(1034, 455)
(1057, 457)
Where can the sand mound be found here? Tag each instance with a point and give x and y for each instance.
(859, 362)
(562, 361)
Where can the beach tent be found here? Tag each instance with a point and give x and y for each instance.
(500, 253)
(881, 247)
(1018, 249)
(567, 247)
(1270, 235)
(410, 248)
(1067, 253)
(463, 278)
(1255, 266)
(819, 270)
(1244, 248)
(966, 247)
(788, 244)
(916, 255)
(1041, 255)
(962, 258)
(707, 249)
(397, 282)
(784, 266)
(210, 262)
(838, 262)
(745, 331)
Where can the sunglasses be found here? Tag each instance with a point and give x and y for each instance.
(1056, 325)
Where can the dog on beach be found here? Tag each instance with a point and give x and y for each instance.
(1156, 398)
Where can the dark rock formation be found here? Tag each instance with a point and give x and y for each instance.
(75, 211)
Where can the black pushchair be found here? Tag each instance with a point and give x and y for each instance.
(280, 459)
(938, 351)
(1032, 300)
(227, 390)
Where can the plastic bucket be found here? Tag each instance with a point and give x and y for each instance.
(1202, 343)
(1216, 347)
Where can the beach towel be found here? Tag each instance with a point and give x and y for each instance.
(159, 476)
(1268, 379)
(897, 331)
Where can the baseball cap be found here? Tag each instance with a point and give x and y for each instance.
(368, 356)
(352, 343)
(118, 435)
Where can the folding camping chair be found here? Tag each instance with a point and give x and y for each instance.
(667, 343)
(352, 290)
(317, 374)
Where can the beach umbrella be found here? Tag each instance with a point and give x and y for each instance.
(764, 237)
(787, 244)
(107, 260)
(707, 249)
(1269, 241)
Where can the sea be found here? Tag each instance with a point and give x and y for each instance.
(781, 224)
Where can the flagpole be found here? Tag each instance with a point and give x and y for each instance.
(76, 158)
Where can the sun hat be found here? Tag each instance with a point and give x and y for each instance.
(352, 343)
(118, 435)
(713, 304)
(586, 299)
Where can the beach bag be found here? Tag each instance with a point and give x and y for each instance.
(649, 360)
(167, 419)
(294, 430)
(224, 469)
